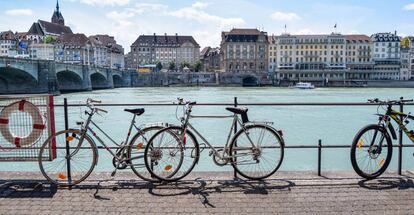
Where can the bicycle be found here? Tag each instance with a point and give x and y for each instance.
(371, 149)
(176, 148)
(73, 153)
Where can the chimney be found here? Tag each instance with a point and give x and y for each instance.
(395, 32)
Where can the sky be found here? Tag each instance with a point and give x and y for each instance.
(205, 20)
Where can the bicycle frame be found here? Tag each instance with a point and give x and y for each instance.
(122, 146)
(397, 116)
(186, 124)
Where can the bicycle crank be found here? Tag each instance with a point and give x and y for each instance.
(220, 161)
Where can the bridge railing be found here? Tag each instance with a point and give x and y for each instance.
(319, 145)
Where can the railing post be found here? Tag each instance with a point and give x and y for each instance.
(235, 130)
(66, 115)
(319, 156)
(400, 140)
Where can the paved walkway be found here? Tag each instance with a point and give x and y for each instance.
(287, 192)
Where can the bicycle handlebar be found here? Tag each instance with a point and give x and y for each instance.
(182, 102)
(89, 104)
(390, 102)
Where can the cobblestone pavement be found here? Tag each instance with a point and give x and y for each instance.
(286, 192)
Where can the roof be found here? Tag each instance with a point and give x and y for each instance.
(54, 28)
(7, 35)
(165, 40)
(205, 51)
(243, 31)
(354, 38)
(109, 42)
(35, 29)
(385, 37)
(73, 39)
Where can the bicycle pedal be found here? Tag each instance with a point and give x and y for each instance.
(210, 153)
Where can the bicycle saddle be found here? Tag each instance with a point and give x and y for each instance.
(241, 111)
(138, 111)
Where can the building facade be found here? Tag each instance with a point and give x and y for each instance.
(359, 56)
(8, 42)
(42, 51)
(114, 52)
(311, 57)
(244, 50)
(387, 56)
(100, 52)
(210, 58)
(166, 49)
(74, 49)
(272, 54)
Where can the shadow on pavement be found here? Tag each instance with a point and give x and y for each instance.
(26, 189)
(387, 183)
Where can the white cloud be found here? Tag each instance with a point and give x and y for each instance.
(195, 13)
(409, 6)
(142, 8)
(105, 2)
(19, 12)
(200, 5)
(282, 16)
(120, 17)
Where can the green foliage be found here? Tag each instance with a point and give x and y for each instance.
(185, 64)
(198, 66)
(171, 66)
(49, 39)
(159, 66)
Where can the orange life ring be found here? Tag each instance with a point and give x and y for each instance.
(33, 111)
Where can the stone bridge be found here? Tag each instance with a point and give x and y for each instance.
(41, 76)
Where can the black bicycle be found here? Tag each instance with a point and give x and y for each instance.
(371, 149)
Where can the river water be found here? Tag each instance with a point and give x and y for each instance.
(301, 125)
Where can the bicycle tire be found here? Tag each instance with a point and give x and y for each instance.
(237, 165)
(194, 154)
(356, 146)
(61, 176)
(139, 168)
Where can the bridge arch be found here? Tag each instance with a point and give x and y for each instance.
(69, 81)
(117, 80)
(99, 81)
(13, 80)
(250, 81)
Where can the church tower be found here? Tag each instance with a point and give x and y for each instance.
(57, 17)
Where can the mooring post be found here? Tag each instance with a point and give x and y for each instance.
(400, 140)
(66, 116)
(319, 156)
(235, 130)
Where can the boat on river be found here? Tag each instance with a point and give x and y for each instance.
(304, 85)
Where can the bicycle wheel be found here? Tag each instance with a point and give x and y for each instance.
(170, 155)
(136, 152)
(82, 158)
(370, 161)
(257, 151)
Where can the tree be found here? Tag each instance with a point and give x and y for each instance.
(405, 42)
(198, 66)
(158, 66)
(184, 64)
(171, 66)
(49, 39)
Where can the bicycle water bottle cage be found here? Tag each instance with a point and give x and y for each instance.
(241, 111)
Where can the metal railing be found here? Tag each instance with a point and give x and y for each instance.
(319, 146)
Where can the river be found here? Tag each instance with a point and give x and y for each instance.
(301, 125)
